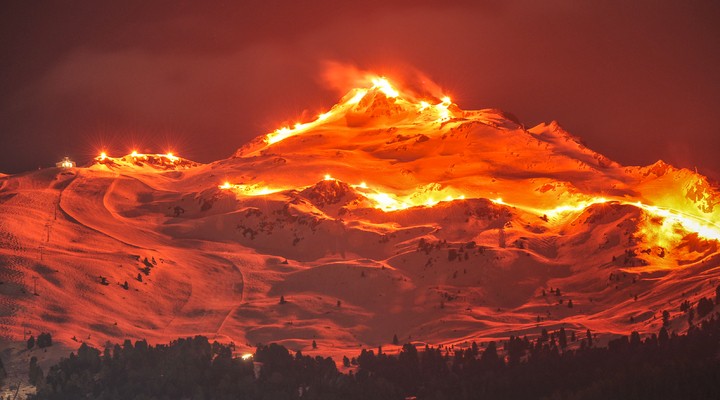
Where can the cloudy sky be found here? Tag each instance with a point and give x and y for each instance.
(636, 80)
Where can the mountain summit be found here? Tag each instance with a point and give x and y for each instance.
(391, 213)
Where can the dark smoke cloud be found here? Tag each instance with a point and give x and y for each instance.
(636, 80)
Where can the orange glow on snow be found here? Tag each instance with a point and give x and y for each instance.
(439, 110)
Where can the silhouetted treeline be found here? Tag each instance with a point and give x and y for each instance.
(659, 366)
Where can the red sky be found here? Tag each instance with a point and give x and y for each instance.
(636, 80)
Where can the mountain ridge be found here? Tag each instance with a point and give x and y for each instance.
(388, 214)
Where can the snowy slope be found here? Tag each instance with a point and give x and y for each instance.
(387, 215)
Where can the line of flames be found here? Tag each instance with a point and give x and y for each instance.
(439, 111)
(671, 219)
(134, 155)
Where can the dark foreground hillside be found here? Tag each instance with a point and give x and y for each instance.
(660, 366)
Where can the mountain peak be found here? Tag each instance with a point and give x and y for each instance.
(429, 217)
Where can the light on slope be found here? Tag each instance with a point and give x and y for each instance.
(672, 219)
(432, 194)
(421, 197)
(669, 230)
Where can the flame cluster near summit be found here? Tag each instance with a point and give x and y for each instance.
(431, 110)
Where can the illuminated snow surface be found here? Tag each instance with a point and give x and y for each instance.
(422, 220)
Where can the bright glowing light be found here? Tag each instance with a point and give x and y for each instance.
(278, 135)
(384, 86)
(329, 178)
(357, 97)
(170, 156)
(103, 156)
(66, 163)
(254, 189)
(424, 196)
(386, 202)
(442, 109)
(324, 116)
(571, 208)
(247, 356)
(672, 218)
(423, 105)
(671, 221)
(134, 153)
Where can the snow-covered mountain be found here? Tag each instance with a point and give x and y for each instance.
(389, 214)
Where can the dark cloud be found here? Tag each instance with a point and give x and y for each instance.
(636, 80)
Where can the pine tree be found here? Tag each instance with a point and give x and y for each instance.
(663, 336)
(665, 318)
(562, 338)
(395, 340)
(588, 334)
(489, 357)
(691, 315)
(282, 300)
(314, 344)
(35, 373)
(704, 307)
(31, 342)
(3, 373)
(570, 303)
(44, 340)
